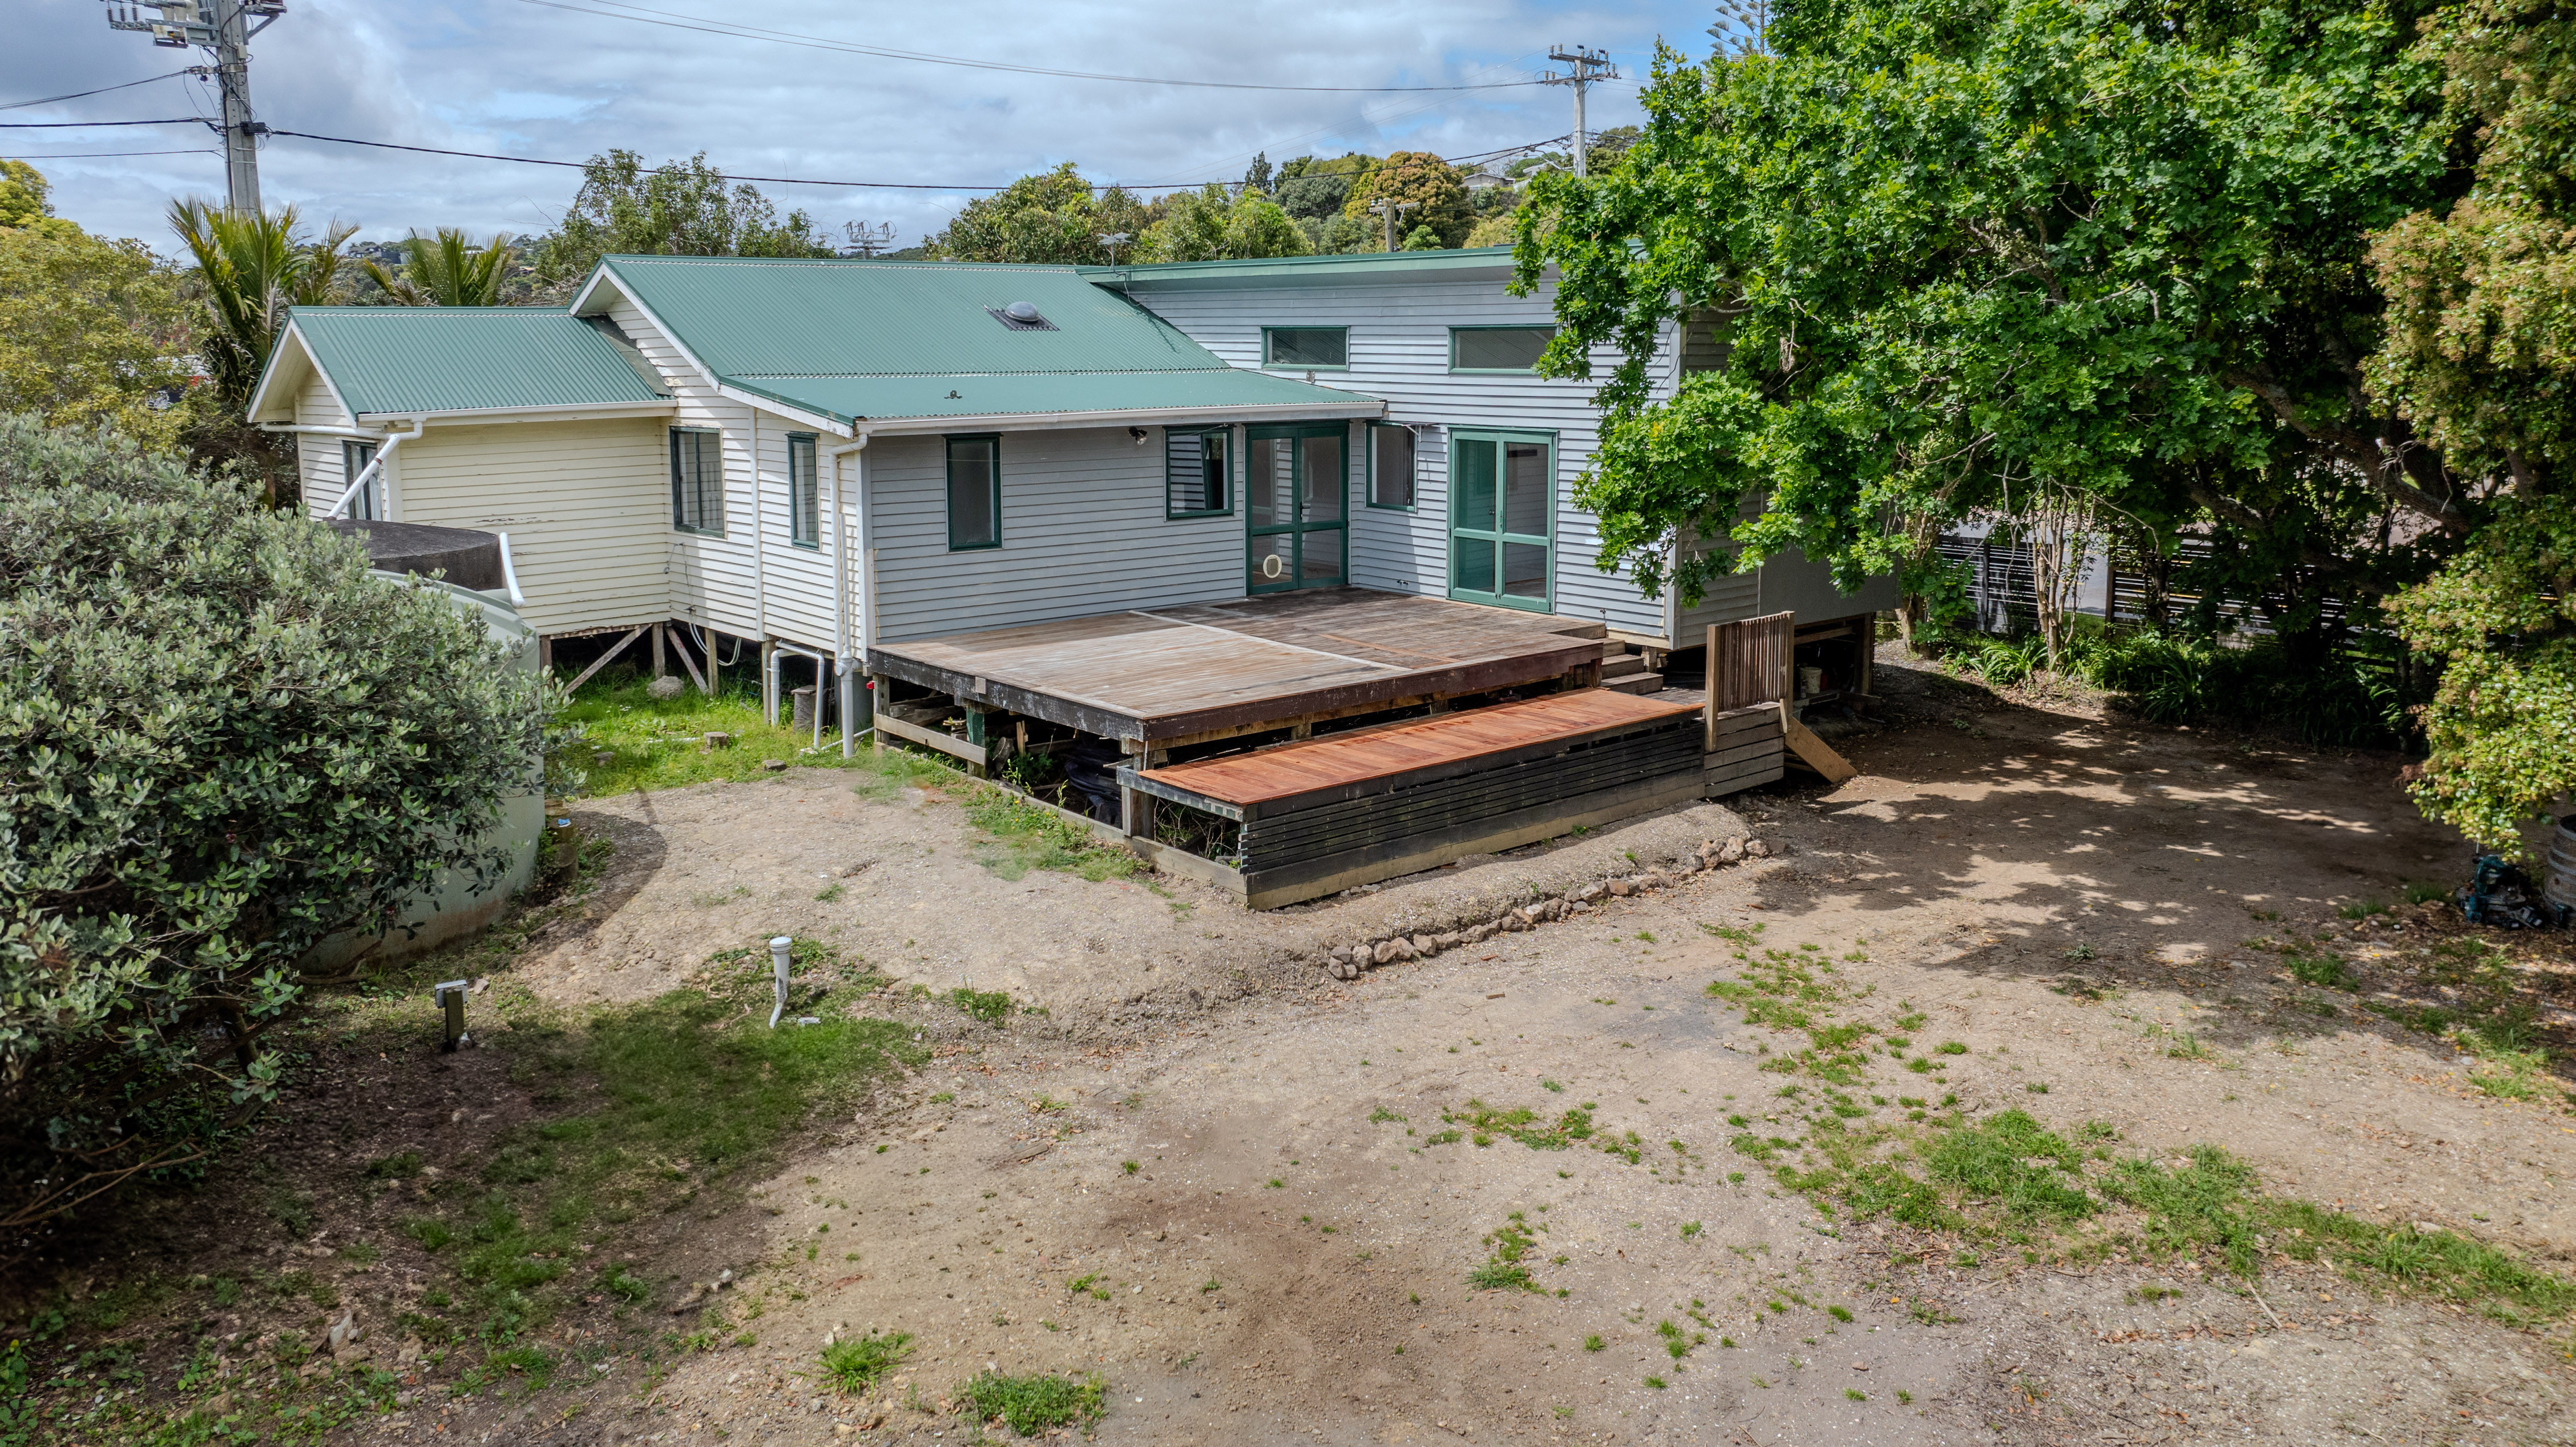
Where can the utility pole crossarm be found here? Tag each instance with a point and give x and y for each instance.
(221, 26)
(1584, 66)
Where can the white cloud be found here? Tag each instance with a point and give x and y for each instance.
(515, 78)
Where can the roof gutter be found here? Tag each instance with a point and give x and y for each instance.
(1355, 410)
(549, 412)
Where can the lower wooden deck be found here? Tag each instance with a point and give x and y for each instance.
(1157, 676)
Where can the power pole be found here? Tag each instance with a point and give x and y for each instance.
(865, 240)
(1587, 66)
(223, 27)
(1392, 210)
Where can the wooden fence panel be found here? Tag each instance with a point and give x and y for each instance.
(1748, 663)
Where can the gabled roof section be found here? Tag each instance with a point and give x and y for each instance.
(403, 361)
(860, 341)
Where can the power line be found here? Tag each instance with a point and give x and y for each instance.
(677, 21)
(102, 155)
(19, 105)
(77, 125)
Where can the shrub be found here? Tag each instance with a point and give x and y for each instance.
(225, 741)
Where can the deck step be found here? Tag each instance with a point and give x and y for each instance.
(1638, 683)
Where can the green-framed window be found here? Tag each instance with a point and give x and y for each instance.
(697, 480)
(1198, 475)
(974, 491)
(804, 493)
(1497, 349)
(1390, 466)
(1313, 349)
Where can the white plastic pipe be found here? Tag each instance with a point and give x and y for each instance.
(779, 947)
(376, 464)
(822, 671)
(510, 575)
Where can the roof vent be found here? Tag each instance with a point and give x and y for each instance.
(1022, 316)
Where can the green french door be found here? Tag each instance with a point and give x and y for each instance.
(1296, 490)
(1502, 518)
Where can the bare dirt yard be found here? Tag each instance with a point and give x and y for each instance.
(2059, 1079)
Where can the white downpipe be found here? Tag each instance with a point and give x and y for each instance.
(510, 575)
(845, 663)
(822, 667)
(376, 463)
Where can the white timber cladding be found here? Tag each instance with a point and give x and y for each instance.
(1399, 349)
(711, 575)
(586, 504)
(1083, 532)
(318, 469)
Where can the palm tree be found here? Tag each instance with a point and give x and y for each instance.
(444, 272)
(250, 269)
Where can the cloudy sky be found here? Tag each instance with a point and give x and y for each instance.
(564, 79)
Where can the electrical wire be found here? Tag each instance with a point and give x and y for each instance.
(19, 105)
(77, 125)
(102, 155)
(677, 21)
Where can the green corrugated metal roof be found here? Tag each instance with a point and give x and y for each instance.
(859, 340)
(402, 359)
(987, 394)
(1348, 269)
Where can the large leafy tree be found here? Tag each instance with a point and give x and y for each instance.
(1949, 255)
(2481, 353)
(226, 740)
(92, 331)
(1053, 217)
(1434, 190)
(679, 208)
(1211, 225)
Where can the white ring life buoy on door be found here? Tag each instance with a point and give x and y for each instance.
(1270, 566)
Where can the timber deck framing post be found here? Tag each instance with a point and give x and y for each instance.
(658, 666)
(545, 656)
(769, 681)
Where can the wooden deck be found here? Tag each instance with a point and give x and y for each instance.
(1296, 776)
(1167, 674)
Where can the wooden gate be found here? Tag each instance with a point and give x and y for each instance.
(1748, 662)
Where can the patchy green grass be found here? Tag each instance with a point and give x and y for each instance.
(2008, 1179)
(858, 1364)
(1034, 1403)
(660, 743)
(1521, 1124)
(695, 1097)
(2325, 969)
(1020, 837)
(1502, 1271)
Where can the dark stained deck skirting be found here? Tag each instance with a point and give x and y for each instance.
(1171, 673)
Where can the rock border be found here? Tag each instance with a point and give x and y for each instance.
(1349, 962)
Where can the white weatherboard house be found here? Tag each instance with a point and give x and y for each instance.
(1141, 520)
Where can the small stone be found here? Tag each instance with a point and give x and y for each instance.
(1512, 922)
(1622, 888)
(1449, 941)
(1732, 852)
(1403, 948)
(1588, 893)
(1423, 945)
(1479, 934)
(603, 757)
(665, 687)
(1386, 952)
(775, 766)
(1656, 879)
(711, 742)
(1756, 849)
